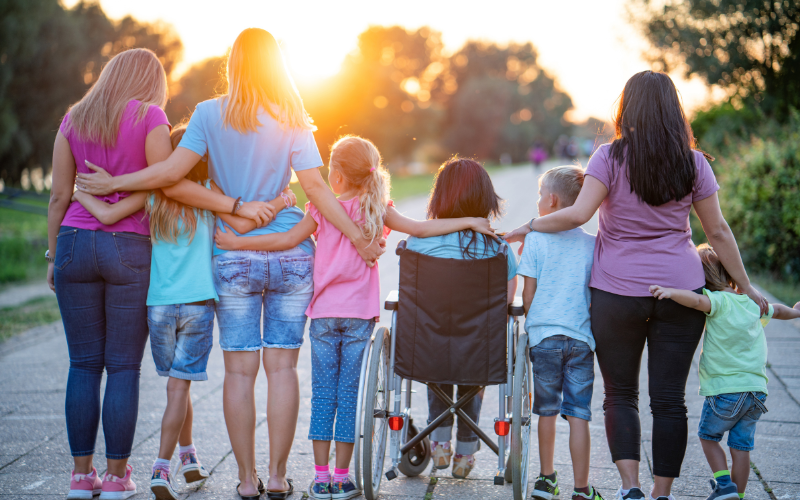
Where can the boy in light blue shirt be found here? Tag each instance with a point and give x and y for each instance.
(557, 268)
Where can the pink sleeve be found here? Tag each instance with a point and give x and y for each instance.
(705, 184)
(63, 126)
(314, 213)
(386, 229)
(155, 116)
(599, 166)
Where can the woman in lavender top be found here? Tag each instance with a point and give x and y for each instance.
(644, 183)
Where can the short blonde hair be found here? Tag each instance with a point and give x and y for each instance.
(132, 74)
(566, 181)
(258, 79)
(717, 277)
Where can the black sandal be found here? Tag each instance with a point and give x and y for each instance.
(252, 497)
(280, 495)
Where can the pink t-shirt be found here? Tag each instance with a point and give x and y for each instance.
(127, 156)
(344, 286)
(639, 245)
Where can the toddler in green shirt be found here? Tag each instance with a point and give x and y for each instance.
(733, 370)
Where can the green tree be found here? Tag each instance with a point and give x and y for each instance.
(49, 56)
(750, 47)
(499, 100)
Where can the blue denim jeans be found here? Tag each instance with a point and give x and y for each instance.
(737, 414)
(101, 284)
(337, 345)
(278, 283)
(181, 337)
(562, 365)
(467, 442)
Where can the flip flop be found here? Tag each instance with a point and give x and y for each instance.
(280, 495)
(252, 497)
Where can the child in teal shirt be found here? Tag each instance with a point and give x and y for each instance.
(733, 373)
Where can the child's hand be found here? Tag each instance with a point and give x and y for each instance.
(481, 225)
(216, 188)
(292, 197)
(226, 240)
(797, 306)
(660, 292)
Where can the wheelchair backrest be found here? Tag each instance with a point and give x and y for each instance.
(451, 319)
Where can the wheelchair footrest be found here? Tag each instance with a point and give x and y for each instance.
(499, 479)
(391, 474)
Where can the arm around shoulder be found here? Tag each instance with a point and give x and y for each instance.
(786, 312)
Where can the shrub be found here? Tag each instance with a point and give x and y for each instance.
(760, 198)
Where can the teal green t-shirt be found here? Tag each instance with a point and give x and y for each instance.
(181, 272)
(734, 355)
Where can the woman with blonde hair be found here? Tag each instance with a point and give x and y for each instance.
(101, 272)
(255, 135)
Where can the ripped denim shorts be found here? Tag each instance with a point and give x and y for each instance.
(277, 286)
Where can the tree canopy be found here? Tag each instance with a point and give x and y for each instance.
(750, 47)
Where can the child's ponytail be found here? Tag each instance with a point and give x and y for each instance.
(360, 163)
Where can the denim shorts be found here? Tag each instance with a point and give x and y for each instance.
(563, 365)
(736, 414)
(181, 337)
(278, 283)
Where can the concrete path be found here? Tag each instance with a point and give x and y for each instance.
(19, 294)
(35, 460)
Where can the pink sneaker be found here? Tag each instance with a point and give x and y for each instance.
(84, 486)
(118, 488)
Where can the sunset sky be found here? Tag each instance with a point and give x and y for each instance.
(586, 44)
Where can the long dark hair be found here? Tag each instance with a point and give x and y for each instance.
(654, 139)
(462, 188)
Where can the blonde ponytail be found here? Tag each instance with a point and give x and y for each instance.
(360, 163)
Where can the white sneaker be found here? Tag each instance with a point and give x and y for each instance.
(191, 468)
(161, 486)
(670, 497)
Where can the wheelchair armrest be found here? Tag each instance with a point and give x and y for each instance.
(392, 299)
(515, 308)
(401, 247)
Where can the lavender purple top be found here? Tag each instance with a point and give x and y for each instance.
(127, 156)
(639, 245)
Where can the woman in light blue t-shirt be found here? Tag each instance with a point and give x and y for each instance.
(254, 136)
(462, 189)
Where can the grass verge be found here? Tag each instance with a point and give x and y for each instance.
(788, 293)
(31, 314)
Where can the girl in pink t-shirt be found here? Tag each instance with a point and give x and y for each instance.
(346, 300)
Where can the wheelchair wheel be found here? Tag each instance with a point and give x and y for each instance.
(415, 462)
(376, 421)
(521, 420)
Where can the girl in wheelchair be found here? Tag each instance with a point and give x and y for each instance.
(462, 188)
(346, 299)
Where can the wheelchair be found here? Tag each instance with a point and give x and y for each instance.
(457, 313)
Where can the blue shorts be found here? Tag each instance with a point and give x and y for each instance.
(563, 365)
(278, 283)
(181, 337)
(736, 414)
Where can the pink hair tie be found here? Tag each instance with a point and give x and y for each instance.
(372, 169)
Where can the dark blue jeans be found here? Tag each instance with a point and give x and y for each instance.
(101, 283)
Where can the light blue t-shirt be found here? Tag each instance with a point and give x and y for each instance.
(257, 165)
(448, 246)
(181, 272)
(562, 266)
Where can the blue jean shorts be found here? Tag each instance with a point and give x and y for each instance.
(278, 285)
(736, 414)
(563, 365)
(181, 337)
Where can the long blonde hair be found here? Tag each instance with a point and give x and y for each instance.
(170, 219)
(360, 164)
(258, 79)
(132, 74)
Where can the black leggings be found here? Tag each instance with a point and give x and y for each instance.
(621, 325)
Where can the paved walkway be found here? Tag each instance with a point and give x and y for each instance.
(35, 460)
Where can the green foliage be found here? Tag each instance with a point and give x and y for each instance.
(724, 126)
(761, 198)
(747, 46)
(23, 241)
(49, 56)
